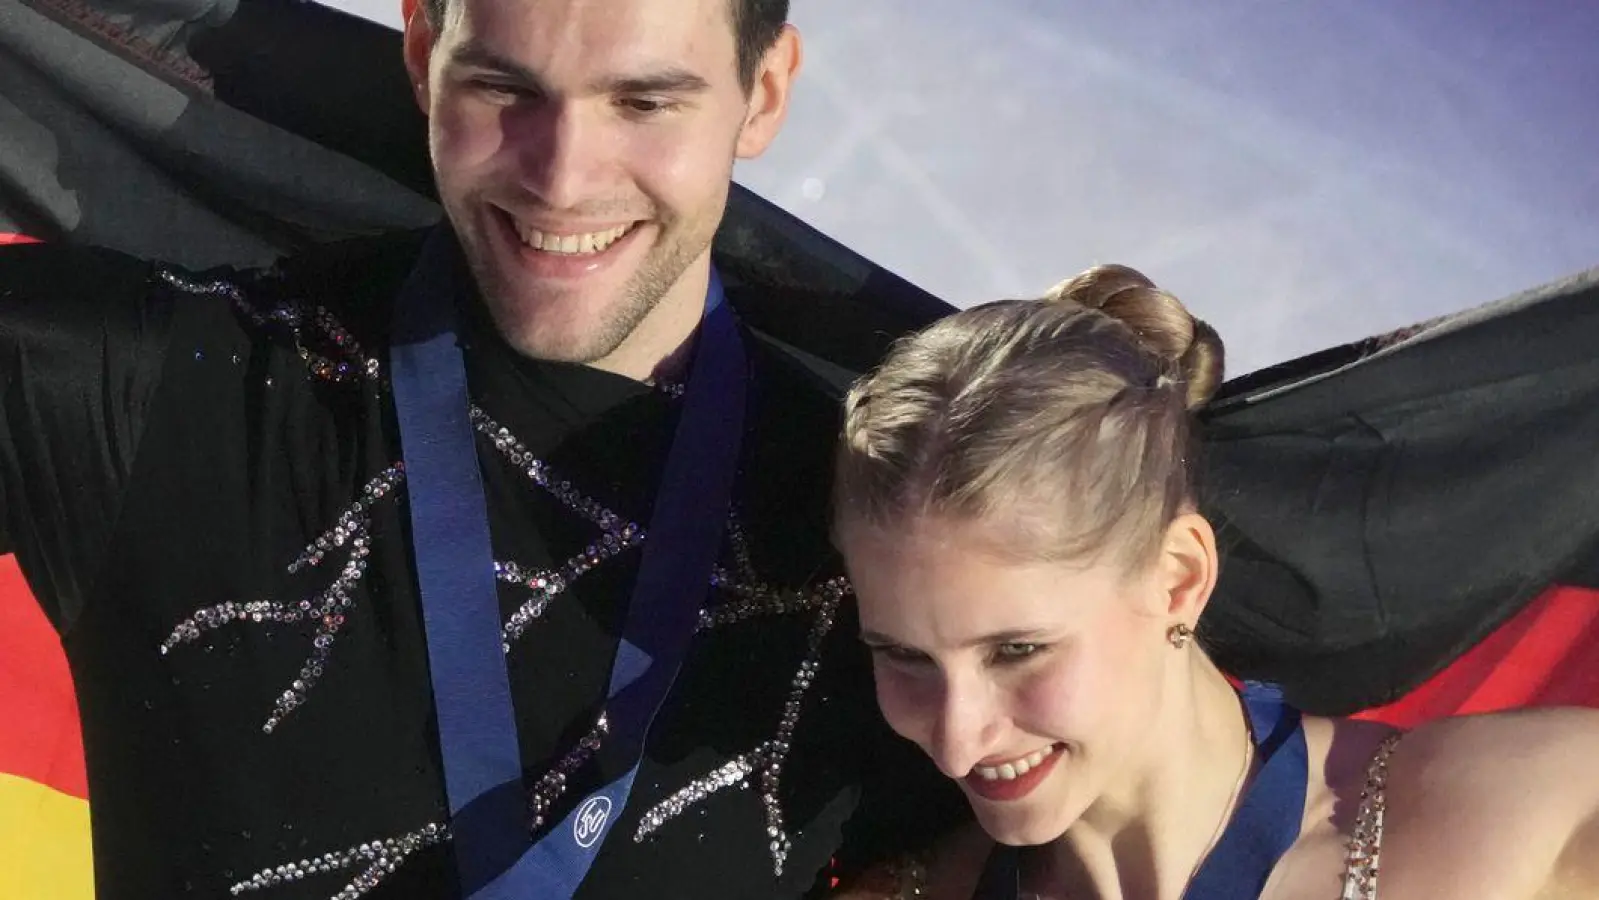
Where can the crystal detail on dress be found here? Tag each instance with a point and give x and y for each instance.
(340, 358)
(351, 532)
(381, 858)
(553, 785)
(1362, 857)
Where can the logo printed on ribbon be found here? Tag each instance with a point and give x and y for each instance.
(590, 821)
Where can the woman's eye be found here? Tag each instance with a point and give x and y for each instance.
(900, 655)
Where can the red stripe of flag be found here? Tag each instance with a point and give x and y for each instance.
(1546, 655)
(41, 739)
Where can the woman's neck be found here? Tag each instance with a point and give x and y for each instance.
(1146, 835)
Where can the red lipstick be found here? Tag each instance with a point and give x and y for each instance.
(1000, 790)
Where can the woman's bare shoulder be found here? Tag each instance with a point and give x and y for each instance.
(1514, 793)
(1540, 749)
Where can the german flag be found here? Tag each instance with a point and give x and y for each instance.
(44, 799)
(44, 794)
(1547, 655)
(1408, 521)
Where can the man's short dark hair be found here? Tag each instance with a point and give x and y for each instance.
(756, 25)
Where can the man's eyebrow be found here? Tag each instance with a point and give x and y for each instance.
(476, 56)
(667, 80)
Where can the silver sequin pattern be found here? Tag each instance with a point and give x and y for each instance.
(616, 534)
(752, 598)
(348, 362)
(767, 759)
(350, 534)
(377, 859)
(549, 788)
(1363, 853)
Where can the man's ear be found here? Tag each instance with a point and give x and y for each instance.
(769, 93)
(420, 35)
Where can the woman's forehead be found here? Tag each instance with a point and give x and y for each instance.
(944, 584)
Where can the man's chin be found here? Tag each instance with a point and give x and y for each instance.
(554, 322)
(553, 342)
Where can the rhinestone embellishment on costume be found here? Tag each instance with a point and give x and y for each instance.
(768, 758)
(752, 598)
(351, 533)
(745, 594)
(735, 773)
(329, 351)
(755, 598)
(616, 534)
(1362, 860)
(381, 858)
(552, 786)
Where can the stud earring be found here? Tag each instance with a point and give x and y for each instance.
(1179, 635)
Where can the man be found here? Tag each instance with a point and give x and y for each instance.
(221, 487)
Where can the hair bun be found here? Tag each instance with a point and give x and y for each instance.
(1159, 322)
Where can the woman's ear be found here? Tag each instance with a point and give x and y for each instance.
(1187, 567)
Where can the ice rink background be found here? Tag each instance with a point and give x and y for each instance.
(1301, 172)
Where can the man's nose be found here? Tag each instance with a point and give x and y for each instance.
(560, 149)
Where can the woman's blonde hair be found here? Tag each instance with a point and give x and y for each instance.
(1065, 420)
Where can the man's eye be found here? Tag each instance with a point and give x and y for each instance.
(645, 106)
(1016, 652)
(498, 89)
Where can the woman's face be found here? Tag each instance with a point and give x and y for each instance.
(1029, 683)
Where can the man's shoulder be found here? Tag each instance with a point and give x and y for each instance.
(38, 276)
(354, 279)
(806, 347)
(359, 276)
(329, 305)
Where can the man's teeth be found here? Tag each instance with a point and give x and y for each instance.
(572, 244)
(1012, 770)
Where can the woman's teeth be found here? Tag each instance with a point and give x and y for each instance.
(1015, 769)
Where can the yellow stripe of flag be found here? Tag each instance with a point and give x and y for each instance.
(44, 843)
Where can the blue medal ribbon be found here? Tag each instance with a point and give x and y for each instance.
(495, 854)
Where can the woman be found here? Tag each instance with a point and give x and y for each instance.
(1016, 510)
